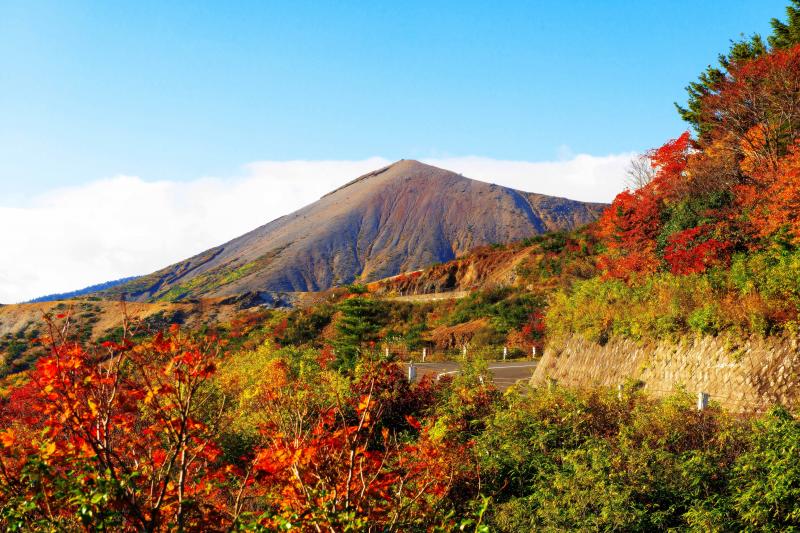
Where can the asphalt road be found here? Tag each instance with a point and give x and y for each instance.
(504, 373)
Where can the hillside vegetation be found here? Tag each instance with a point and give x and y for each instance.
(708, 242)
(187, 432)
(96, 320)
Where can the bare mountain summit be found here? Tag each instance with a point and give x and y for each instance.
(396, 219)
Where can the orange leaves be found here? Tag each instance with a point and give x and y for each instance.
(643, 230)
(7, 438)
(670, 160)
(188, 358)
(773, 198)
(759, 105)
(743, 181)
(365, 404)
(413, 422)
(125, 412)
(278, 460)
(628, 229)
(145, 422)
(751, 145)
(352, 462)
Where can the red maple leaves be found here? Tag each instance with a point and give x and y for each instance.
(630, 226)
(692, 251)
(143, 425)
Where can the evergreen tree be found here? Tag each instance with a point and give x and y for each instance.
(356, 329)
(709, 80)
(786, 35)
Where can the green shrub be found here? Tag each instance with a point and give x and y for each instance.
(305, 326)
(705, 320)
(506, 308)
(765, 490)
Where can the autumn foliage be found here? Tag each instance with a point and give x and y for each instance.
(735, 189)
(630, 227)
(128, 427)
(708, 240)
(147, 436)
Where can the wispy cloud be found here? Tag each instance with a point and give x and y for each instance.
(73, 237)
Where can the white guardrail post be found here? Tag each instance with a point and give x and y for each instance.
(702, 400)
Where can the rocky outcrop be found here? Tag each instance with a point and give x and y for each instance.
(742, 375)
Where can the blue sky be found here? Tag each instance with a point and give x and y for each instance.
(136, 134)
(178, 90)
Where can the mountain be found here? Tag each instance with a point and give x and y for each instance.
(80, 292)
(400, 218)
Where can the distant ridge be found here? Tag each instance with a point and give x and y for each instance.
(399, 218)
(81, 292)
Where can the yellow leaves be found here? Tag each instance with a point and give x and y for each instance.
(151, 394)
(92, 406)
(84, 449)
(48, 450)
(365, 403)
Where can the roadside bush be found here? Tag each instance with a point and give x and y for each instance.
(758, 294)
(765, 490)
(558, 459)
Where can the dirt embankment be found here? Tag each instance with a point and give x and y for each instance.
(482, 268)
(454, 337)
(741, 374)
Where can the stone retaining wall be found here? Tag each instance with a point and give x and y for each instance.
(742, 375)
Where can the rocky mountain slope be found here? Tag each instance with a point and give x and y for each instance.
(397, 219)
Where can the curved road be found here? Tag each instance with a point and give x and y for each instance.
(504, 373)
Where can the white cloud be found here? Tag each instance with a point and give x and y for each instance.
(581, 177)
(73, 237)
